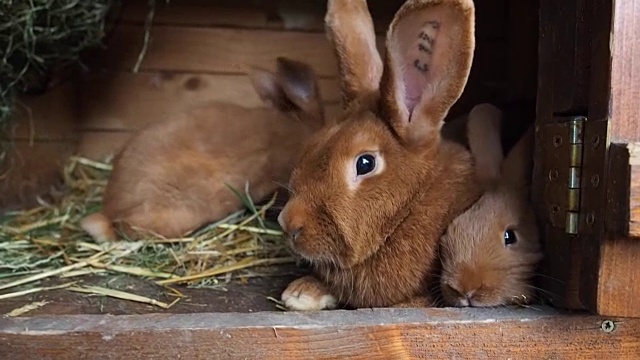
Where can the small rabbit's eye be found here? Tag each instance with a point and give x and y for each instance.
(365, 164)
(510, 238)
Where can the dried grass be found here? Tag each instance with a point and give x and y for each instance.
(46, 242)
(38, 35)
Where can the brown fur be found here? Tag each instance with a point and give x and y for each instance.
(375, 243)
(170, 178)
(478, 269)
(350, 28)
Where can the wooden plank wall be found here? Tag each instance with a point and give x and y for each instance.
(36, 143)
(200, 50)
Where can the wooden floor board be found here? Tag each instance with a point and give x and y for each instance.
(356, 334)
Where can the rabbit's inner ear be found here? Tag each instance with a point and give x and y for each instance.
(267, 86)
(430, 48)
(298, 82)
(416, 39)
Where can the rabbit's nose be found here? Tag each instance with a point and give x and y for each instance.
(290, 224)
(295, 233)
(469, 294)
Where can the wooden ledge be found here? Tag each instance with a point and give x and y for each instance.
(372, 333)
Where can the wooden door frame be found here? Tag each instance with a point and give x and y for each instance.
(585, 69)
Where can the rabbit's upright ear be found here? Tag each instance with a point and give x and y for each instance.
(517, 167)
(349, 26)
(430, 46)
(483, 131)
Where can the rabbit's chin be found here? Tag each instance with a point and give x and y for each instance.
(314, 256)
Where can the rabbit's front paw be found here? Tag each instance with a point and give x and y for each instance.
(308, 293)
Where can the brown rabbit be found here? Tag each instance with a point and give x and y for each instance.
(490, 252)
(373, 192)
(170, 178)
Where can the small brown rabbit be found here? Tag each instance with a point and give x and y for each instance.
(373, 192)
(490, 252)
(170, 178)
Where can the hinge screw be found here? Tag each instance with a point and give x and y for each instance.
(596, 141)
(557, 141)
(591, 219)
(555, 209)
(608, 326)
(553, 175)
(595, 180)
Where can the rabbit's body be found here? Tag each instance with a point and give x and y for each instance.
(175, 171)
(174, 176)
(373, 192)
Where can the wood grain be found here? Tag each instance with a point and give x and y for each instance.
(634, 202)
(564, 58)
(108, 137)
(287, 14)
(220, 50)
(625, 72)
(624, 190)
(237, 296)
(619, 269)
(357, 334)
(192, 49)
(126, 101)
(619, 282)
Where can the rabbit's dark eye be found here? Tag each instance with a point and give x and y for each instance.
(365, 164)
(510, 238)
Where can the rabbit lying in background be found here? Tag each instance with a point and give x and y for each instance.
(374, 191)
(491, 251)
(169, 179)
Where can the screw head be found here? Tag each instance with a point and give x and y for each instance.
(591, 218)
(555, 208)
(595, 180)
(553, 175)
(608, 326)
(557, 141)
(596, 141)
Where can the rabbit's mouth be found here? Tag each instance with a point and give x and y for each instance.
(318, 253)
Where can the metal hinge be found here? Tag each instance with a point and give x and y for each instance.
(573, 159)
(576, 132)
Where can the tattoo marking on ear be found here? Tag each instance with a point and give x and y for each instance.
(426, 37)
(425, 45)
(425, 49)
(420, 66)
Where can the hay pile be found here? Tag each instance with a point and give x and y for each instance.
(39, 35)
(46, 242)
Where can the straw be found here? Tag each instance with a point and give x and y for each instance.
(47, 242)
(26, 308)
(96, 290)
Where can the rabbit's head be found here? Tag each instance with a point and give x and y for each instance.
(358, 177)
(490, 252)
